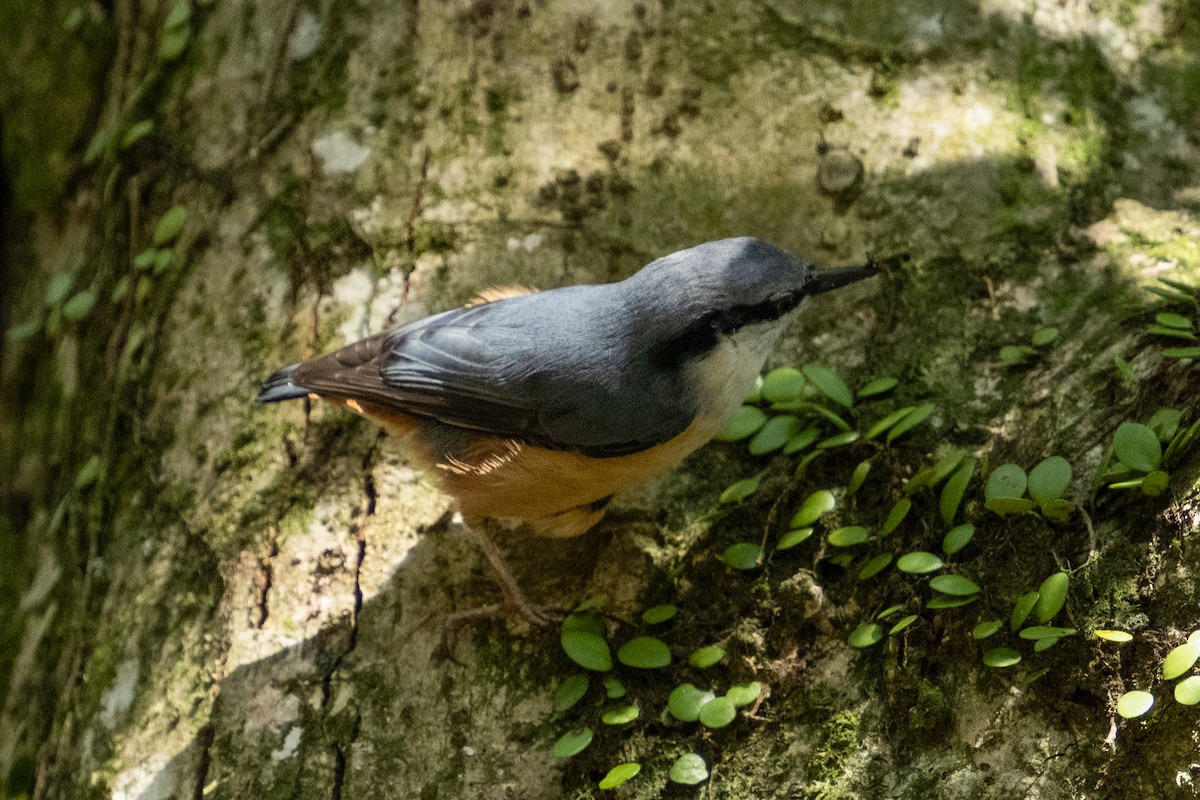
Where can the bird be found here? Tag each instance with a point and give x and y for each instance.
(541, 406)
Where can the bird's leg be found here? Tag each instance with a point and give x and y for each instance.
(514, 597)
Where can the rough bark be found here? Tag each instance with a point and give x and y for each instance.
(207, 598)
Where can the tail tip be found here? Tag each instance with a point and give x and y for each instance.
(279, 387)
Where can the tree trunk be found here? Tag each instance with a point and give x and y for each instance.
(211, 598)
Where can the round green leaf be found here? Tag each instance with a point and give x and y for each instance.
(21, 332)
(570, 692)
(793, 538)
(958, 538)
(1058, 510)
(1044, 336)
(848, 536)
(174, 42)
(572, 742)
(895, 516)
(162, 261)
(947, 601)
(179, 14)
(985, 629)
(587, 650)
(1045, 643)
(953, 491)
(829, 384)
(705, 657)
(1153, 484)
(1007, 480)
(145, 259)
(877, 387)
(743, 555)
(585, 620)
(1000, 657)
(1113, 636)
(911, 420)
(902, 623)
(1009, 505)
(1180, 660)
(919, 563)
(659, 614)
(685, 702)
(613, 688)
(1137, 447)
(1049, 479)
(866, 635)
(1052, 595)
(717, 713)
(1187, 691)
(619, 774)
(874, 566)
(689, 769)
(774, 435)
(88, 473)
(1011, 354)
(744, 422)
(57, 290)
(955, 585)
(814, 506)
(743, 694)
(1022, 609)
(739, 491)
(1170, 320)
(644, 652)
(801, 440)
(169, 225)
(79, 306)
(1134, 704)
(622, 715)
(858, 477)
(780, 385)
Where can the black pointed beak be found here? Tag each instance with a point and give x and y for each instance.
(829, 279)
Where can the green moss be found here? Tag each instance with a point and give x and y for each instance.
(830, 765)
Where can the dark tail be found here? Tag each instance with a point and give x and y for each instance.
(280, 387)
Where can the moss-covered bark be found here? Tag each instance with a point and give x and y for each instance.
(210, 598)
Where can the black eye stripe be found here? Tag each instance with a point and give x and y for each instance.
(700, 336)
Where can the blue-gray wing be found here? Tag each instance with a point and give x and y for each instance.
(516, 368)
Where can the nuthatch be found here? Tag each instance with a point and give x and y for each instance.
(542, 406)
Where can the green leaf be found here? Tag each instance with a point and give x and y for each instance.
(793, 538)
(1045, 643)
(783, 384)
(79, 306)
(685, 702)
(911, 420)
(848, 536)
(585, 621)
(705, 657)
(801, 440)
(1044, 336)
(613, 688)
(1165, 423)
(858, 477)
(746, 420)
(934, 475)
(121, 289)
(866, 635)
(953, 491)
(162, 261)
(889, 611)
(96, 146)
(570, 692)
(1137, 447)
(170, 225)
(902, 623)
(145, 259)
(622, 715)
(179, 14)
(874, 566)
(1006, 481)
(1037, 632)
(739, 491)
(57, 290)
(1169, 320)
(88, 473)
(1113, 636)
(877, 387)
(958, 538)
(814, 506)
(743, 694)
(985, 629)
(717, 713)
(174, 42)
(839, 440)
(1134, 704)
(1180, 660)
(1011, 354)
(829, 384)
(21, 332)
(1021, 609)
(572, 742)
(587, 650)
(1052, 595)
(1009, 505)
(644, 652)
(919, 563)
(946, 601)
(1155, 483)
(73, 19)
(689, 769)
(743, 555)
(1174, 333)
(619, 774)
(659, 614)
(888, 421)
(1049, 479)
(136, 132)
(895, 516)
(1058, 511)
(1000, 657)
(1187, 691)
(774, 435)
(1182, 352)
(955, 585)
